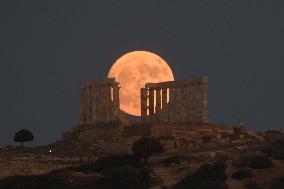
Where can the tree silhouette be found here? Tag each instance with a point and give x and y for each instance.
(145, 147)
(23, 136)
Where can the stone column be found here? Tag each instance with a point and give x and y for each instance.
(94, 104)
(143, 97)
(164, 104)
(82, 105)
(115, 94)
(191, 102)
(171, 107)
(198, 104)
(101, 104)
(184, 104)
(204, 115)
(158, 100)
(151, 103)
(158, 105)
(89, 104)
(108, 106)
(178, 105)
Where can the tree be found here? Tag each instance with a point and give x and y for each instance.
(23, 136)
(275, 149)
(33, 182)
(206, 177)
(242, 173)
(105, 164)
(145, 147)
(260, 162)
(126, 177)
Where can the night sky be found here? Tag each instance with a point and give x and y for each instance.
(48, 49)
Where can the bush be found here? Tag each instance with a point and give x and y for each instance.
(252, 185)
(32, 182)
(120, 171)
(241, 174)
(209, 172)
(206, 177)
(260, 162)
(174, 159)
(275, 149)
(220, 165)
(125, 177)
(278, 183)
(145, 147)
(106, 164)
(244, 161)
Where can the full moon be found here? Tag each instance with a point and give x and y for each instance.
(133, 70)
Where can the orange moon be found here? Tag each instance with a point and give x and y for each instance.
(132, 71)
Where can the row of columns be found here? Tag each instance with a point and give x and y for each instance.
(99, 102)
(186, 102)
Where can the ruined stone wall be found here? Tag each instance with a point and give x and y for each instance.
(99, 101)
(175, 101)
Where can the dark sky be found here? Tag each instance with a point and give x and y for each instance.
(49, 48)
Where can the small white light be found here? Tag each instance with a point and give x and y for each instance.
(49, 151)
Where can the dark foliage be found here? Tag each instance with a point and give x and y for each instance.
(206, 177)
(275, 149)
(121, 171)
(206, 139)
(106, 164)
(32, 182)
(209, 172)
(242, 173)
(174, 159)
(219, 165)
(125, 177)
(252, 185)
(260, 162)
(121, 177)
(145, 147)
(277, 184)
(244, 161)
(23, 136)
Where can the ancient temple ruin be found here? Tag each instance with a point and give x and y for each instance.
(175, 101)
(175, 112)
(99, 101)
